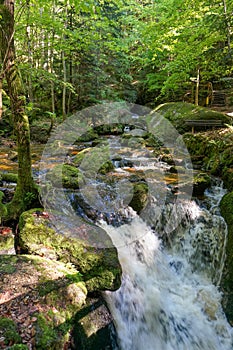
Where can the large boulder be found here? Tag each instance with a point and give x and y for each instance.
(98, 264)
(178, 112)
(226, 207)
(213, 151)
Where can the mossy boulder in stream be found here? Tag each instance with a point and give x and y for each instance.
(226, 207)
(64, 175)
(140, 196)
(99, 266)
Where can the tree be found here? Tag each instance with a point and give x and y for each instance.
(184, 40)
(26, 191)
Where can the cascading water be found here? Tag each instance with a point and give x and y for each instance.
(168, 299)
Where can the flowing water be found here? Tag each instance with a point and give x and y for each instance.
(172, 260)
(169, 299)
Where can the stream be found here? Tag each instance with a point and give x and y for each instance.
(172, 256)
(169, 298)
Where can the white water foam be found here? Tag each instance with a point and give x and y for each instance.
(164, 303)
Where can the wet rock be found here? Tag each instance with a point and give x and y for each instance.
(88, 136)
(140, 196)
(64, 175)
(201, 182)
(106, 168)
(80, 156)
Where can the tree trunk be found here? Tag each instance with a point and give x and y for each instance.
(228, 25)
(1, 105)
(26, 190)
(29, 47)
(197, 88)
(64, 86)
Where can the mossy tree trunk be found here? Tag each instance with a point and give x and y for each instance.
(26, 190)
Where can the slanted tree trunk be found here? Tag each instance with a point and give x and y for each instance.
(26, 191)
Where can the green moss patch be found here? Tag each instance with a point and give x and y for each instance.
(226, 207)
(8, 332)
(178, 112)
(64, 175)
(99, 266)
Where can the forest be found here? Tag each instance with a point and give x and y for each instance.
(112, 112)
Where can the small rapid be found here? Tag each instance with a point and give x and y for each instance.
(169, 298)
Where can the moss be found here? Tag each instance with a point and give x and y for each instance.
(80, 156)
(201, 182)
(89, 135)
(18, 347)
(65, 175)
(6, 241)
(100, 265)
(8, 331)
(8, 264)
(213, 152)
(46, 336)
(228, 178)
(110, 129)
(140, 197)
(106, 168)
(3, 207)
(8, 177)
(226, 206)
(178, 112)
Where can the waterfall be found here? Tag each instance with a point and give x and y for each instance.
(169, 299)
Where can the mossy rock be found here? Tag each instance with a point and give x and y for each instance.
(64, 175)
(213, 152)
(140, 196)
(152, 141)
(8, 177)
(178, 112)
(89, 135)
(226, 206)
(80, 156)
(228, 177)
(109, 129)
(92, 161)
(201, 182)
(106, 168)
(99, 266)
